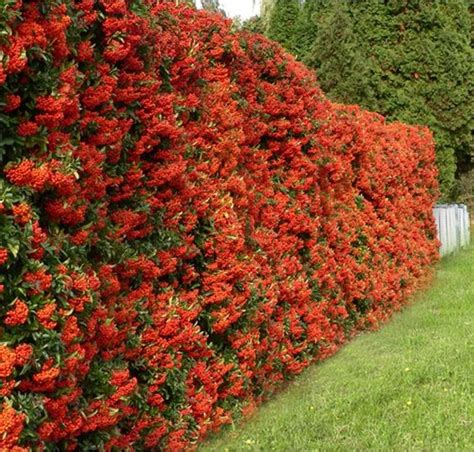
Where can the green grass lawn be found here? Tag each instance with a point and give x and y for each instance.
(409, 386)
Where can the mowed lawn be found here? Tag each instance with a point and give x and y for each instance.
(409, 386)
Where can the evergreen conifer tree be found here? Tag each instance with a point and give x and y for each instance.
(343, 71)
(283, 19)
(306, 27)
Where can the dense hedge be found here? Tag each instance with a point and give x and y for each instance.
(185, 223)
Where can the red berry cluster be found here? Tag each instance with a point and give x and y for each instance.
(186, 222)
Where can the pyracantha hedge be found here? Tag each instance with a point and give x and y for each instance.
(185, 223)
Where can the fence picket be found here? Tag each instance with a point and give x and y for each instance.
(453, 227)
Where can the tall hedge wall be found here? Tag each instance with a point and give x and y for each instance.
(185, 223)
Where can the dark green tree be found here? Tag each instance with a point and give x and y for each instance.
(342, 69)
(306, 26)
(282, 22)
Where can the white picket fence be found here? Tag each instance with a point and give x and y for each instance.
(452, 221)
